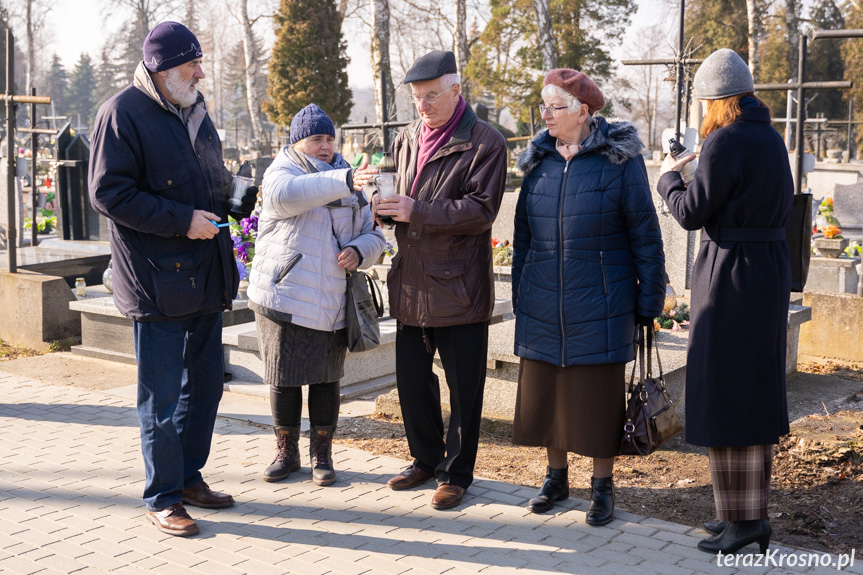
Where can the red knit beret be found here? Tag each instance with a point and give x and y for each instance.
(579, 85)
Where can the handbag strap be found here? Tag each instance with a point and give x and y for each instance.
(650, 340)
(375, 291)
(639, 360)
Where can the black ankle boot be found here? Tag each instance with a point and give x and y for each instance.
(554, 489)
(601, 510)
(288, 455)
(715, 526)
(737, 535)
(321, 451)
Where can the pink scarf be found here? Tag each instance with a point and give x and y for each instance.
(432, 139)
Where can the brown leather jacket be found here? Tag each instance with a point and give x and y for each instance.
(442, 273)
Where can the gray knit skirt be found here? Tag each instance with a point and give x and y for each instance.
(295, 355)
(578, 409)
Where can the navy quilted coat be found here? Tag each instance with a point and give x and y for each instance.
(587, 250)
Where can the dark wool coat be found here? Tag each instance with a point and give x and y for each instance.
(587, 252)
(148, 177)
(735, 370)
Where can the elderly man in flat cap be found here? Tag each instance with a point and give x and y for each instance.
(156, 172)
(453, 169)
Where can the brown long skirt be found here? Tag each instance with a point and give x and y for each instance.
(578, 409)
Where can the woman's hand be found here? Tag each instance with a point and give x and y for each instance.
(669, 164)
(363, 175)
(349, 258)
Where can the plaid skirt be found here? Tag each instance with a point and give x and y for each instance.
(741, 481)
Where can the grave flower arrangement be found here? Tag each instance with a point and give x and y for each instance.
(675, 320)
(244, 233)
(501, 252)
(832, 232)
(825, 216)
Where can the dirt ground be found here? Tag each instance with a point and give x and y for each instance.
(815, 501)
(817, 474)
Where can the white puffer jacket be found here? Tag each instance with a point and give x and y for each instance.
(295, 272)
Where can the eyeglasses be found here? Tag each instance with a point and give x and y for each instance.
(552, 110)
(431, 98)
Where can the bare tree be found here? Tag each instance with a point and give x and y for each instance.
(649, 95)
(380, 53)
(148, 13)
(33, 20)
(462, 47)
(792, 19)
(753, 17)
(545, 37)
(252, 53)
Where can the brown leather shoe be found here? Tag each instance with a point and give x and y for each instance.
(200, 495)
(173, 520)
(410, 477)
(447, 496)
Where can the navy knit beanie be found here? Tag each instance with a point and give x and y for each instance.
(168, 45)
(311, 121)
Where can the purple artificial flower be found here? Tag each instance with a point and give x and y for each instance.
(241, 268)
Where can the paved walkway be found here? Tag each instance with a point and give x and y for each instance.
(71, 478)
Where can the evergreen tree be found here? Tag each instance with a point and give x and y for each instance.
(82, 91)
(55, 84)
(775, 67)
(502, 63)
(508, 57)
(309, 62)
(824, 62)
(110, 74)
(714, 24)
(236, 108)
(585, 29)
(852, 56)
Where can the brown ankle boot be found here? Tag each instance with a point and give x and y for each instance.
(288, 455)
(321, 451)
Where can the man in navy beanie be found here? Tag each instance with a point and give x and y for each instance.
(156, 172)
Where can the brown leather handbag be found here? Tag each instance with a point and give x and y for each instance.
(650, 419)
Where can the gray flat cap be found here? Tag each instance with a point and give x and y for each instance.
(722, 74)
(433, 65)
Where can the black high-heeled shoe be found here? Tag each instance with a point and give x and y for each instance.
(737, 535)
(554, 489)
(601, 510)
(715, 526)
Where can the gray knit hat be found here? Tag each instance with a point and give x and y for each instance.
(722, 74)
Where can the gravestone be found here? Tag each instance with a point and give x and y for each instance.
(680, 246)
(76, 218)
(848, 208)
(260, 165)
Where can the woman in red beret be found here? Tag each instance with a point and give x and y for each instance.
(588, 268)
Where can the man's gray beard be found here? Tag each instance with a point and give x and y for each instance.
(179, 88)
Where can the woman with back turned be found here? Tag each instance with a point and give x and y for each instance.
(735, 378)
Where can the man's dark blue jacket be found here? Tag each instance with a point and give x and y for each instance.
(148, 177)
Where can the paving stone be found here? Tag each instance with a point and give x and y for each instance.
(75, 503)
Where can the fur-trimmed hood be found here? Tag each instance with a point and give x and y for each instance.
(617, 142)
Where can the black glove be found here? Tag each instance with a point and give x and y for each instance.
(241, 208)
(644, 321)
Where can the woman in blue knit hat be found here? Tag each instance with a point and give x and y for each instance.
(315, 224)
(740, 197)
